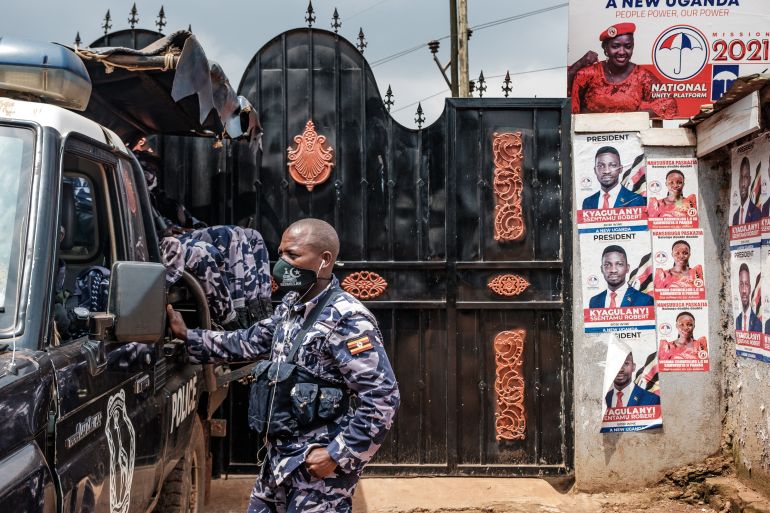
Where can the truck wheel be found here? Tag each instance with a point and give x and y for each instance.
(183, 491)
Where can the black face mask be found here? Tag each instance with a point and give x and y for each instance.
(289, 277)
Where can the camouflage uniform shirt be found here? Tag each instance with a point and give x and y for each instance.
(343, 346)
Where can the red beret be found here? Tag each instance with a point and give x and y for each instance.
(617, 30)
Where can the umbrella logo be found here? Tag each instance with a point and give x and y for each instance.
(680, 52)
(723, 77)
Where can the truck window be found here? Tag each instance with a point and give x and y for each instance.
(16, 165)
(79, 240)
(86, 245)
(137, 241)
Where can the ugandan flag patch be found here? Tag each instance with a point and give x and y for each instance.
(359, 345)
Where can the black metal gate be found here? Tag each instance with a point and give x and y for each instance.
(417, 207)
(420, 209)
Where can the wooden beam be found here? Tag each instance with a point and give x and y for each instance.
(669, 137)
(729, 124)
(613, 122)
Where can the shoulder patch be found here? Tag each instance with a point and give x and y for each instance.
(359, 345)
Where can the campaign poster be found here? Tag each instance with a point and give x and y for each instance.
(761, 153)
(682, 336)
(617, 281)
(765, 315)
(611, 188)
(631, 388)
(666, 57)
(745, 214)
(677, 261)
(745, 284)
(672, 193)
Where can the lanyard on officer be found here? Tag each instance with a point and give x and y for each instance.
(326, 299)
(310, 320)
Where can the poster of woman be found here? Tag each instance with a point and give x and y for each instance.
(666, 58)
(678, 264)
(616, 84)
(672, 187)
(682, 336)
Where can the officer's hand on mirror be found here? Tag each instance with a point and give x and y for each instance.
(319, 463)
(176, 323)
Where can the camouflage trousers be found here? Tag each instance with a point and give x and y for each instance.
(207, 264)
(247, 264)
(302, 493)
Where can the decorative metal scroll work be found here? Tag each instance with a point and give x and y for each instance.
(508, 285)
(511, 417)
(309, 163)
(365, 284)
(508, 186)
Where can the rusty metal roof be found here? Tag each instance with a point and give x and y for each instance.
(742, 87)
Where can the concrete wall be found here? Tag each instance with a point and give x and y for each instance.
(692, 402)
(746, 382)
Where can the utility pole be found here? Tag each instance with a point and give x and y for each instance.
(453, 52)
(462, 48)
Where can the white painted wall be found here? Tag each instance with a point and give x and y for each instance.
(693, 404)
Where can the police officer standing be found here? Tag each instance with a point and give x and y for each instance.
(326, 397)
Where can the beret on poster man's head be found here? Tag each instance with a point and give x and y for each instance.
(618, 29)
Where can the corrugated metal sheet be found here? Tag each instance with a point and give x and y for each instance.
(742, 87)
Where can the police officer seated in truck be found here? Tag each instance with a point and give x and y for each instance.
(231, 262)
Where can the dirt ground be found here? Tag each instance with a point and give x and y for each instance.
(704, 488)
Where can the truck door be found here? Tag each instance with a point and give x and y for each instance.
(107, 425)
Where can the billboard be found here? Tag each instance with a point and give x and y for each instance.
(666, 57)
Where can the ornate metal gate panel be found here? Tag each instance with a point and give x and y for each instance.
(455, 235)
(457, 240)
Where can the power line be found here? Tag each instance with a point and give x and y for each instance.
(493, 76)
(402, 53)
(518, 16)
(420, 100)
(366, 9)
(482, 26)
(528, 71)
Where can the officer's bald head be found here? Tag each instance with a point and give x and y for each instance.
(317, 234)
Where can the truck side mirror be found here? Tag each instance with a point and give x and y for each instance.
(137, 300)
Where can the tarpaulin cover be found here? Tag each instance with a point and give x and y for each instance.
(168, 87)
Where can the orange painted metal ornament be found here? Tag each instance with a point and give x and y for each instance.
(364, 284)
(508, 285)
(508, 186)
(511, 416)
(310, 163)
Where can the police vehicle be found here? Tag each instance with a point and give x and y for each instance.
(99, 410)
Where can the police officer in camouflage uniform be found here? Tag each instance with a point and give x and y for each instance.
(313, 470)
(247, 267)
(206, 264)
(230, 262)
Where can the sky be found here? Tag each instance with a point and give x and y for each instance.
(232, 35)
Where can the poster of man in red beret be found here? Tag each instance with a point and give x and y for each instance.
(666, 57)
